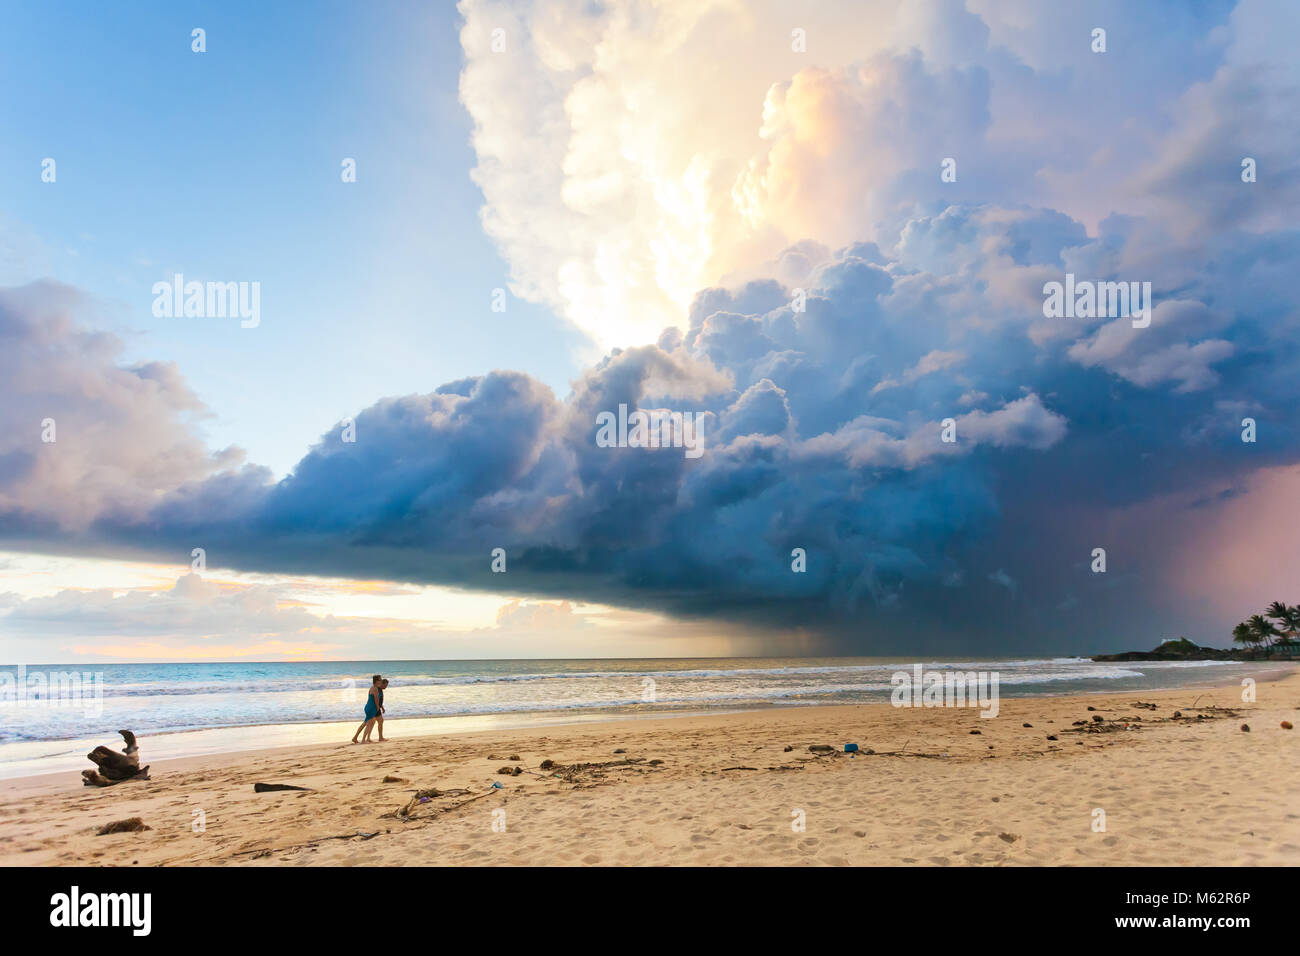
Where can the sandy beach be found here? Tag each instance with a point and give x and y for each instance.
(727, 789)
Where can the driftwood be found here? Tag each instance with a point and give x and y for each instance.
(90, 778)
(267, 851)
(115, 767)
(406, 813)
(270, 787)
(583, 773)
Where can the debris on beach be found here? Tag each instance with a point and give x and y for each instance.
(595, 773)
(115, 767)
(274, 787)
(1100, 727)
(433, 795)
(1245, 728)
(821, 749)
(389, 778)
(89, 778)
(129, 825)
(1286, 725)
(264, 852)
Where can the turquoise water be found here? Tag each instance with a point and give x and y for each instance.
(48, 722)
(164, 698)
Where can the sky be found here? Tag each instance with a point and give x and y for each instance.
(825, 232)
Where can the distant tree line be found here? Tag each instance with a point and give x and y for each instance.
(1279, 622)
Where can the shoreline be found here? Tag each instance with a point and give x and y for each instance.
(721, 790)
(562, 721)
(201, 742)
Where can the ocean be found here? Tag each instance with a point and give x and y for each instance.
(183, 709)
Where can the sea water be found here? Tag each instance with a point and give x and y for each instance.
(178, 708)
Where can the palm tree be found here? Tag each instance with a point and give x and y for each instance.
(1261, 629)
(1287, 617)
(1241, 635)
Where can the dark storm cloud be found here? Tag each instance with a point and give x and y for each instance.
(822, 430)
(822, 426)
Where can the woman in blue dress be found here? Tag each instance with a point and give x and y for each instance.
(374, 700)
(379, 716)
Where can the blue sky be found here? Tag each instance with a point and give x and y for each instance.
(227, 165)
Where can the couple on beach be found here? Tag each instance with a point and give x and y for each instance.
(374, 711)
